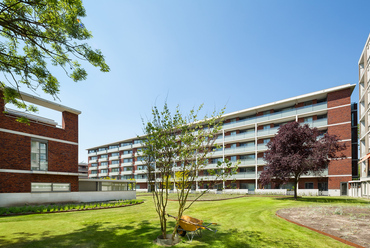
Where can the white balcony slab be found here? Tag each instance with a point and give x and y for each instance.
(114, 158)
(93, 161)
(122, 148)
(114, 173)
(114, 165)
(103, 167)
(101, 152)
(126, 155)
(126, 164)
(103, 159)
(93, 168)
(126, 172)
(93, 175)
(113, 150)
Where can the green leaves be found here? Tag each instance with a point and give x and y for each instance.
(37, 34)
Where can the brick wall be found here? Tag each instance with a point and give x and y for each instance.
(21, 183)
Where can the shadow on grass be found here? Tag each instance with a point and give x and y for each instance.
(140, 234)
(321, 199)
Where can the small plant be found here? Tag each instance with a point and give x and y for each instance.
(338, 211)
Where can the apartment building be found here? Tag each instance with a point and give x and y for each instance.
(244, 136)
(362, 186)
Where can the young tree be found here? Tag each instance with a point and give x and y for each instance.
(178, 139)
(38, 32)
(298, 150)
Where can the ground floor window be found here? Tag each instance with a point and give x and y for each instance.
(249, 186)
(50, 187)
(308, 185)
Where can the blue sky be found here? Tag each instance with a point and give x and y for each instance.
(235, 53)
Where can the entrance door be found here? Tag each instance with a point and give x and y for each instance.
(343, 188)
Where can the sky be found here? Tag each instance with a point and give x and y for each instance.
(237, 54)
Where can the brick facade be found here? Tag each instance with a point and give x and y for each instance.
(15, 152)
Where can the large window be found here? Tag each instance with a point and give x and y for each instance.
(39, 155)
(115, 154)
(103, 163)
(126, 144)
(102, 149)
(50, 187)
(115, 161)
(127, 152)
(308, 185)
(127, 160)
(104, 156)
(113, 146)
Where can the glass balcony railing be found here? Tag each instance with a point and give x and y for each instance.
(247, 161)
(239, 149)
(261, 147)
(261, 161)
(267, 131)
(244, 175)
(317, 123)
(287, 113)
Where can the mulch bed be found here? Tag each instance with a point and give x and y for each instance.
(347, 224)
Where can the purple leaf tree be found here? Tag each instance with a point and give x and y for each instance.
(298, 150)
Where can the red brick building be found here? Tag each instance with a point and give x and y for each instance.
(41, 156)
(244, 136)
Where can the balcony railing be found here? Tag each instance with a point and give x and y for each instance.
(244, 175)
(270, 131)
(113, 150)
(291, 112)
(103, 174)
(239, 149)
(93, 168)
(261, 147)
(114, 166)
(101, 152)
(260, 161)
(317, 123)
(126, 164)
(128, 147)
(102, 159)
(247, 161)
(114, 158)
(103, 167)
(116, 173)
(93, 175)
(129, 155)
(126, 172)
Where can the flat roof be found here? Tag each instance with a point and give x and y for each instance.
(46, 103)
(263, 107)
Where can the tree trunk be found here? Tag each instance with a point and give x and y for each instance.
(295, 188)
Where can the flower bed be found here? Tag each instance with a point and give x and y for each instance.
(54, 208)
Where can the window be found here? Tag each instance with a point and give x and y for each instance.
(103, 163)
(233, 146)
(308, 119)
(126, 177)
(248, 169)
(308, 103)
(215, 160)
(127, 152)
(94, 165)
(137, 141)
(92, 151)
(104, 156)
(94, 172)
(115, 170)
(233, 158)
(50, 187)
(233, 133)
(94, 158)
(113, 146)
(265, 127)
(115, 154)
(308, 185)
(127, 160)
(141, 167)
(127, 168)
(103, 171)
(250, 156)
(265, 141)
(102, 149)
(39, 155)
(267, 112)
(139, 159)
(233, 120)
(115, 162)
(126, 144)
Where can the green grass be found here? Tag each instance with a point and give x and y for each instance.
(242, 222)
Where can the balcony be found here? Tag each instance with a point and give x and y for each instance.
(103, 167)
(93, 168)
(92, 154)
(247, 162)
(128, 147)
(260, 161)
(241, 149)
(261, 147)
(93, 161)
(116, 173)
(114, 166)
(270, 131)
(141, 180)
(141, 171)
(103, 174)
(274, 116)
(126, 155)
(139, 162)
(237, 137)
(113, 150)
(102, 159)
(114, 158)
(317, 123)
(137, 145)
(93, 175)
(126, 172)
(126, 164)
(242, 175)
(101, 152)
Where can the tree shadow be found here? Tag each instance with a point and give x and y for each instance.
(138, 234)
(322, 199)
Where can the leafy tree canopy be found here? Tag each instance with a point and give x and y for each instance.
(298, 150)
(37, 33)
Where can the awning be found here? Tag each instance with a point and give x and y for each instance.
(364, 158)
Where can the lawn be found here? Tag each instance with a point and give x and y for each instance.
(242, 222)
